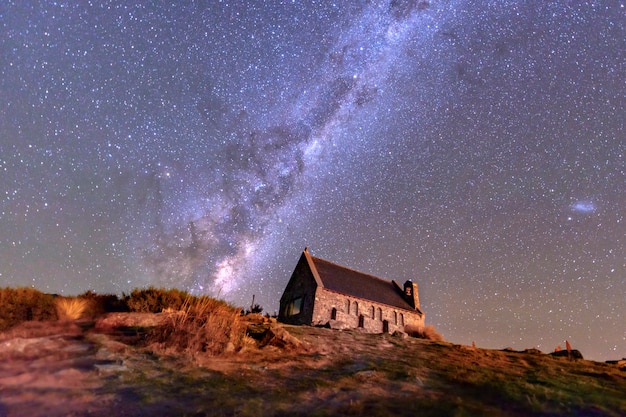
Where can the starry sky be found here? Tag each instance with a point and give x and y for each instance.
(475, 147)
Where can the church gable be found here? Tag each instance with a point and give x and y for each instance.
(296, 303)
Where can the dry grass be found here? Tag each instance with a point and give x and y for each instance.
(424, 332)
(155, 300)
(71, 308)
(202, 326)
(47, 369)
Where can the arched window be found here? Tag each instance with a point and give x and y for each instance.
(372, 313)
(380, 313)
(333, 314)
(347, 306)
(395, 317)
(401, 319)
(355, 307)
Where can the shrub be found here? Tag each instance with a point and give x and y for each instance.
(24, 304)
(203, 325)
(256, 309)
(424, 332)
(102, 303)
(71, 308)
(155, 300)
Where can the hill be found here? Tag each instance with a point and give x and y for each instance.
(109, 366)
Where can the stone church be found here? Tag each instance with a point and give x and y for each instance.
(320, 292)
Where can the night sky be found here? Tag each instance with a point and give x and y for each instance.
(475, 147)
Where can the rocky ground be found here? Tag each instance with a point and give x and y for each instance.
(106, 368)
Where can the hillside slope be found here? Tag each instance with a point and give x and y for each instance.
(63, 369)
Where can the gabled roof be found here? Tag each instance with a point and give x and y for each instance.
(357, 284)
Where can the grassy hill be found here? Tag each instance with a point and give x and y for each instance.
(136, 363)
(333, 372)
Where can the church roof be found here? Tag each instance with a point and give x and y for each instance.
(357, 284)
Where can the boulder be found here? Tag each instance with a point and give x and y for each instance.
(336, 325)
(32, 329)
(400, 334)
(257, 331)
(117, 320)
(281, 338)
(571, 354)
(621, 364)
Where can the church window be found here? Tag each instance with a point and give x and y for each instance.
(294, 307)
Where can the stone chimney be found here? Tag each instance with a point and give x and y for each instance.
(412, 294)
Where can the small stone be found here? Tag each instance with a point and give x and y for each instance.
(336, 325)
(400, 334)
(279, 337)
(572, 354)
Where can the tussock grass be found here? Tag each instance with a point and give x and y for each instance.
(71, 308)
(202, 326)
(155, 300)
(424, 332)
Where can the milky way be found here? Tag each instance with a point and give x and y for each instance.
(477, 148)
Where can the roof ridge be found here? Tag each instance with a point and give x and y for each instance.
(351, 269)
(349, 281)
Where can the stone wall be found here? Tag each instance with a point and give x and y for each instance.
(356, 312)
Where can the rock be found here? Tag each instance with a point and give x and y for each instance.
(32, 329)
(365, 376)
(336, 325)
(400, 334)
(572, 354)
(621, 364)
(61, 346)
(279, 337)
(253, 318)
(257, 331)
(114, 320)
(105, 368)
